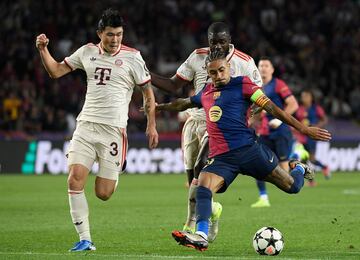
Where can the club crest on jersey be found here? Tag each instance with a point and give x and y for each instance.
(232, 72)
(216, 95)
(118, 62)
(92, 59)
(255, 74)
(215, 113)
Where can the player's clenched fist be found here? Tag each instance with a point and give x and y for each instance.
(41, 41)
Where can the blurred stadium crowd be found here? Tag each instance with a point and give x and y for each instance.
(314, 44)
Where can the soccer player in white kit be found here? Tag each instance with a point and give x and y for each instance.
(113, 70)
(194, 137)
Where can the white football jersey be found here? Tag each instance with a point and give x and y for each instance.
(193, 69)
(111, 79)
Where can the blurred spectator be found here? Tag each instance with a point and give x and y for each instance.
(32, 122)
(313, 43)
(11, 106)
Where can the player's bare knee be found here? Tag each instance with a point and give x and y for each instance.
(77, 176)
(75, 181)
(103, 194)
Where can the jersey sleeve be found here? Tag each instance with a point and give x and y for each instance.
(254, 92)
(249, 87)
(320, 111)
(196, 99)
(74, 61)
(253, 73)
(186, 71)
(141, 73)
(282, 89)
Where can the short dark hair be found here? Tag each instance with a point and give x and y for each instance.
(266, 58)
(218, 27)
(111, 18)
(215, 55)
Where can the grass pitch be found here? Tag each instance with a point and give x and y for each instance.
(322, 222)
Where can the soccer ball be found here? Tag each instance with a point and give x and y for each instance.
(268, 241)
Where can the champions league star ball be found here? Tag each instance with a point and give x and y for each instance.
(268, 241)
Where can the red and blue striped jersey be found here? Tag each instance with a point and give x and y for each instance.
(225, 109)
(277, 91)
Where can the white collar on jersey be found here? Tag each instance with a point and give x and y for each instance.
(231, 52)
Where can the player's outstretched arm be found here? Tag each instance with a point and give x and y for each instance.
(170, 85)
(54, 68)
(313, 132)
(179, 104)
(149, 108)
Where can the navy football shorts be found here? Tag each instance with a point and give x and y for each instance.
(255, 160)
(281, 145)
(310, 145)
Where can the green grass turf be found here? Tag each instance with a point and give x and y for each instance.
(136, 223)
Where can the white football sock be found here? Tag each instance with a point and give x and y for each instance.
(202, 234)
(264, 197)
(79, 212)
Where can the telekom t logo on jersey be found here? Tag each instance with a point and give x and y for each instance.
(102, 74)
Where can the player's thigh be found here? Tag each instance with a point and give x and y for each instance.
(281, 178)
(224, 168)
(200, 129)
(190, 143)
(111, 149)
(256, 160)
(81, 154)
(212, 181)
(82, 145)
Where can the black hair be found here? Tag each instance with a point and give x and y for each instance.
(215, 55)
(267, 58)
(219, 27)
(111, 18)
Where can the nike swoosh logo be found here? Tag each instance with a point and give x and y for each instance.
(272, 159)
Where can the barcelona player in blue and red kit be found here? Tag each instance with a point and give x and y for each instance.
(276, 135)
(311, 114)
(233, 146)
